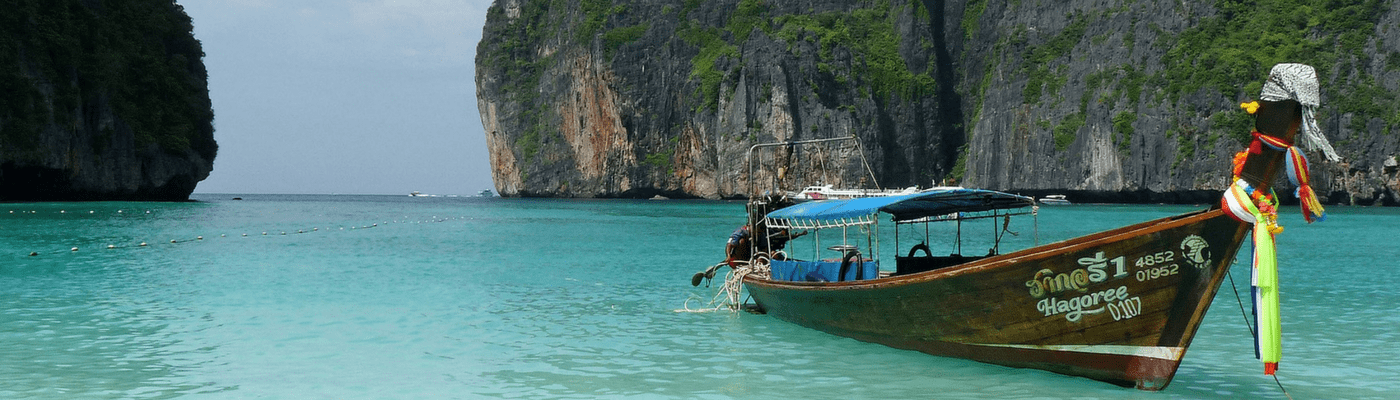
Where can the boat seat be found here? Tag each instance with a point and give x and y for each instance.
(821, 271)
(917, 264)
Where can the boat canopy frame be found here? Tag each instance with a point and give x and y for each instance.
(947, 204)
(934, 205)
(749, 165)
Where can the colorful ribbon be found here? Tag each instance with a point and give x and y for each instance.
(1297, 167)
(1249, 205)
(1269, 343)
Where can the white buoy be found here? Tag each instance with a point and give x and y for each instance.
(33, 253)
(111, 246)
(74, 249)
(198, 238)
(92, 212)
(173, 241)
(284, 233)
(148, 211)
(264, 233)
(223, 235)
(245, 235)
(143, 244)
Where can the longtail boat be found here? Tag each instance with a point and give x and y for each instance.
(1120, 306)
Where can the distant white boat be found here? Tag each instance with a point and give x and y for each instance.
(828, 192)
(1055, 200)
(486, 193)
(418, 194)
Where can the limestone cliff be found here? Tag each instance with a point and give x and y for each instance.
(102, 100)
(1104, 100)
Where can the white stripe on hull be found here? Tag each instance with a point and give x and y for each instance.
(1158, 352)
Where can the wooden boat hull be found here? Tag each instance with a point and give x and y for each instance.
(1119, 306)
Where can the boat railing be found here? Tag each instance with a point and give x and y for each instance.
(748, 158)
(783, 223)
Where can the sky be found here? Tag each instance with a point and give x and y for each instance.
(343, 96)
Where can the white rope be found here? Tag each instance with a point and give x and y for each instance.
(730, 294)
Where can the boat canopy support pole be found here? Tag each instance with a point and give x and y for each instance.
(996, 236)
(958, 240)
(872, 242)
(1035, 219)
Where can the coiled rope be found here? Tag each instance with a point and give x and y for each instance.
(730, 294)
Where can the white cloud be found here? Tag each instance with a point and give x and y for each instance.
(436, 32)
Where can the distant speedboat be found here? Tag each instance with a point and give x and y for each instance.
(1055, 200)
(486, 193)
(415, 194)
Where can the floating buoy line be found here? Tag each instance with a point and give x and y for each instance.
(200, 238)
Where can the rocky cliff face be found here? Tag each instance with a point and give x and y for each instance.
(1102, 100)
(102, 101)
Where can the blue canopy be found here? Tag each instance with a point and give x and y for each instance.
(930, 203)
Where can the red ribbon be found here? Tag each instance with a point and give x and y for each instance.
(1297, 168)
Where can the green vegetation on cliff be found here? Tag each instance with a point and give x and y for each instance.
(869, 33)
(712, 46)
(1245, 38)
(58, 57)
(1067, 131)
(1037, 60)
(1041, 84)
(521, 65)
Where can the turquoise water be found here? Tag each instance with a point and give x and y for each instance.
(418, 298)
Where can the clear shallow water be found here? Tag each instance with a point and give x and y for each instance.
(473, 298)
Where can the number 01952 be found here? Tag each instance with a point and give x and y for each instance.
(1156, 265)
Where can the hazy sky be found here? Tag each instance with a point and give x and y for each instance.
(343, 96)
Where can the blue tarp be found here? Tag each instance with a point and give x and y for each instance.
(820, 271)
(929, 203)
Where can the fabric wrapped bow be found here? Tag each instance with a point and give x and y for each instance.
(1250, 205)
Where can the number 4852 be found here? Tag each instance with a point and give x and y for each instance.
(1154, 259)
